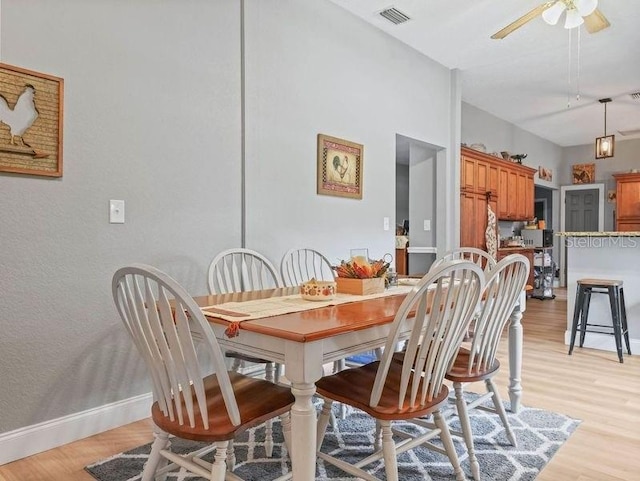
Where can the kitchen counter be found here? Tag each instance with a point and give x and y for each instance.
(599, 234)
(523, 248)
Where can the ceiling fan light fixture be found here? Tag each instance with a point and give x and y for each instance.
(573, 20)
(552, 14)
(585, 7)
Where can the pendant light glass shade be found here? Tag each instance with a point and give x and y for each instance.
(606, 143)
(604, 146)
(552, 14)
(573, 20)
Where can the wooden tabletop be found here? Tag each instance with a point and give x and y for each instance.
(314, 324)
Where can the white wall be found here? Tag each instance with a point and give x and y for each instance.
(499, 135)
(151, 116)
(325, 71)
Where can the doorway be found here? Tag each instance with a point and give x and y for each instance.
(583, 211)
(417, 197)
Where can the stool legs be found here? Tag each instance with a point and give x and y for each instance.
(625, 327)
(614, 301)
(577, 310)
(586, 296)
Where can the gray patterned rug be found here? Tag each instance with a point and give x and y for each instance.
(539, 433)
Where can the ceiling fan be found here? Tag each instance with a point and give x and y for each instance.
(577, 13)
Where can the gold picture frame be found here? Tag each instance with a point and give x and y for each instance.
(340, 167)
(31, 108)
(583, 173)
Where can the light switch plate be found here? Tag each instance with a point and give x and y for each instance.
(385, 223)
(116, 211)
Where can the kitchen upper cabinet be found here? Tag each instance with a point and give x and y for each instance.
(486, 180)
(478, 175)
(627, 202)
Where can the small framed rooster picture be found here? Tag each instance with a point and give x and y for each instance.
(31, 106)
(340, 164)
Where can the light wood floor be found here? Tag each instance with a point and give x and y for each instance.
(589, 385)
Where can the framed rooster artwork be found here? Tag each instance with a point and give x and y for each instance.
(31, 106)
(340, 164)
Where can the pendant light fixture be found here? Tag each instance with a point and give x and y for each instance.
(605, 144)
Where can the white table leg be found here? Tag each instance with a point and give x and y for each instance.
(303, 432)
(515, 358)
(303, 367)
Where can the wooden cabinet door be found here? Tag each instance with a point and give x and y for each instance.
(468, 174)
(512, 195)
(628, 199)
(493, 179)
(467, 216)
(503, 193)
(529, 200)
(628, 225)
(482, 177)
(521, 196)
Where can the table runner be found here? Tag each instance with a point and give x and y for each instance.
(275, 306)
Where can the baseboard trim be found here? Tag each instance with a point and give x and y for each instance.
(605, 342)
(37, 438)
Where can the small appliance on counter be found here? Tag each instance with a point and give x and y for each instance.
(537, 237)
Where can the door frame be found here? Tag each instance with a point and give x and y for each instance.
(563, 192)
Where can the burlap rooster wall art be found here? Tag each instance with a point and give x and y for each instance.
(30, 122)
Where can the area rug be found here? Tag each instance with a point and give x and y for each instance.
(539, 433)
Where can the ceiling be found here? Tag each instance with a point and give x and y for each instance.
(525, 78)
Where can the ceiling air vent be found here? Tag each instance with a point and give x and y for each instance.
(394, 15)
(635, 95)
(629, 132)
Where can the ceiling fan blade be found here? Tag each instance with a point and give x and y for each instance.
(527, 17)
(596, 22)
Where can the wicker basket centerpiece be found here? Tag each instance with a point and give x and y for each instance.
(361, 277)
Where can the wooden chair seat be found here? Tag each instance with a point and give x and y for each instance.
(462, 372)
(258, 401)
(354, 386)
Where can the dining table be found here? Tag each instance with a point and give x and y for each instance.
(316, 334)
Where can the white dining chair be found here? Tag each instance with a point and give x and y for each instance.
(241, 270)
(163, 320)
(300, 265)
(434, 316)
(478, 362)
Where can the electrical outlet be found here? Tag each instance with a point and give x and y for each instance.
(427, 224)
